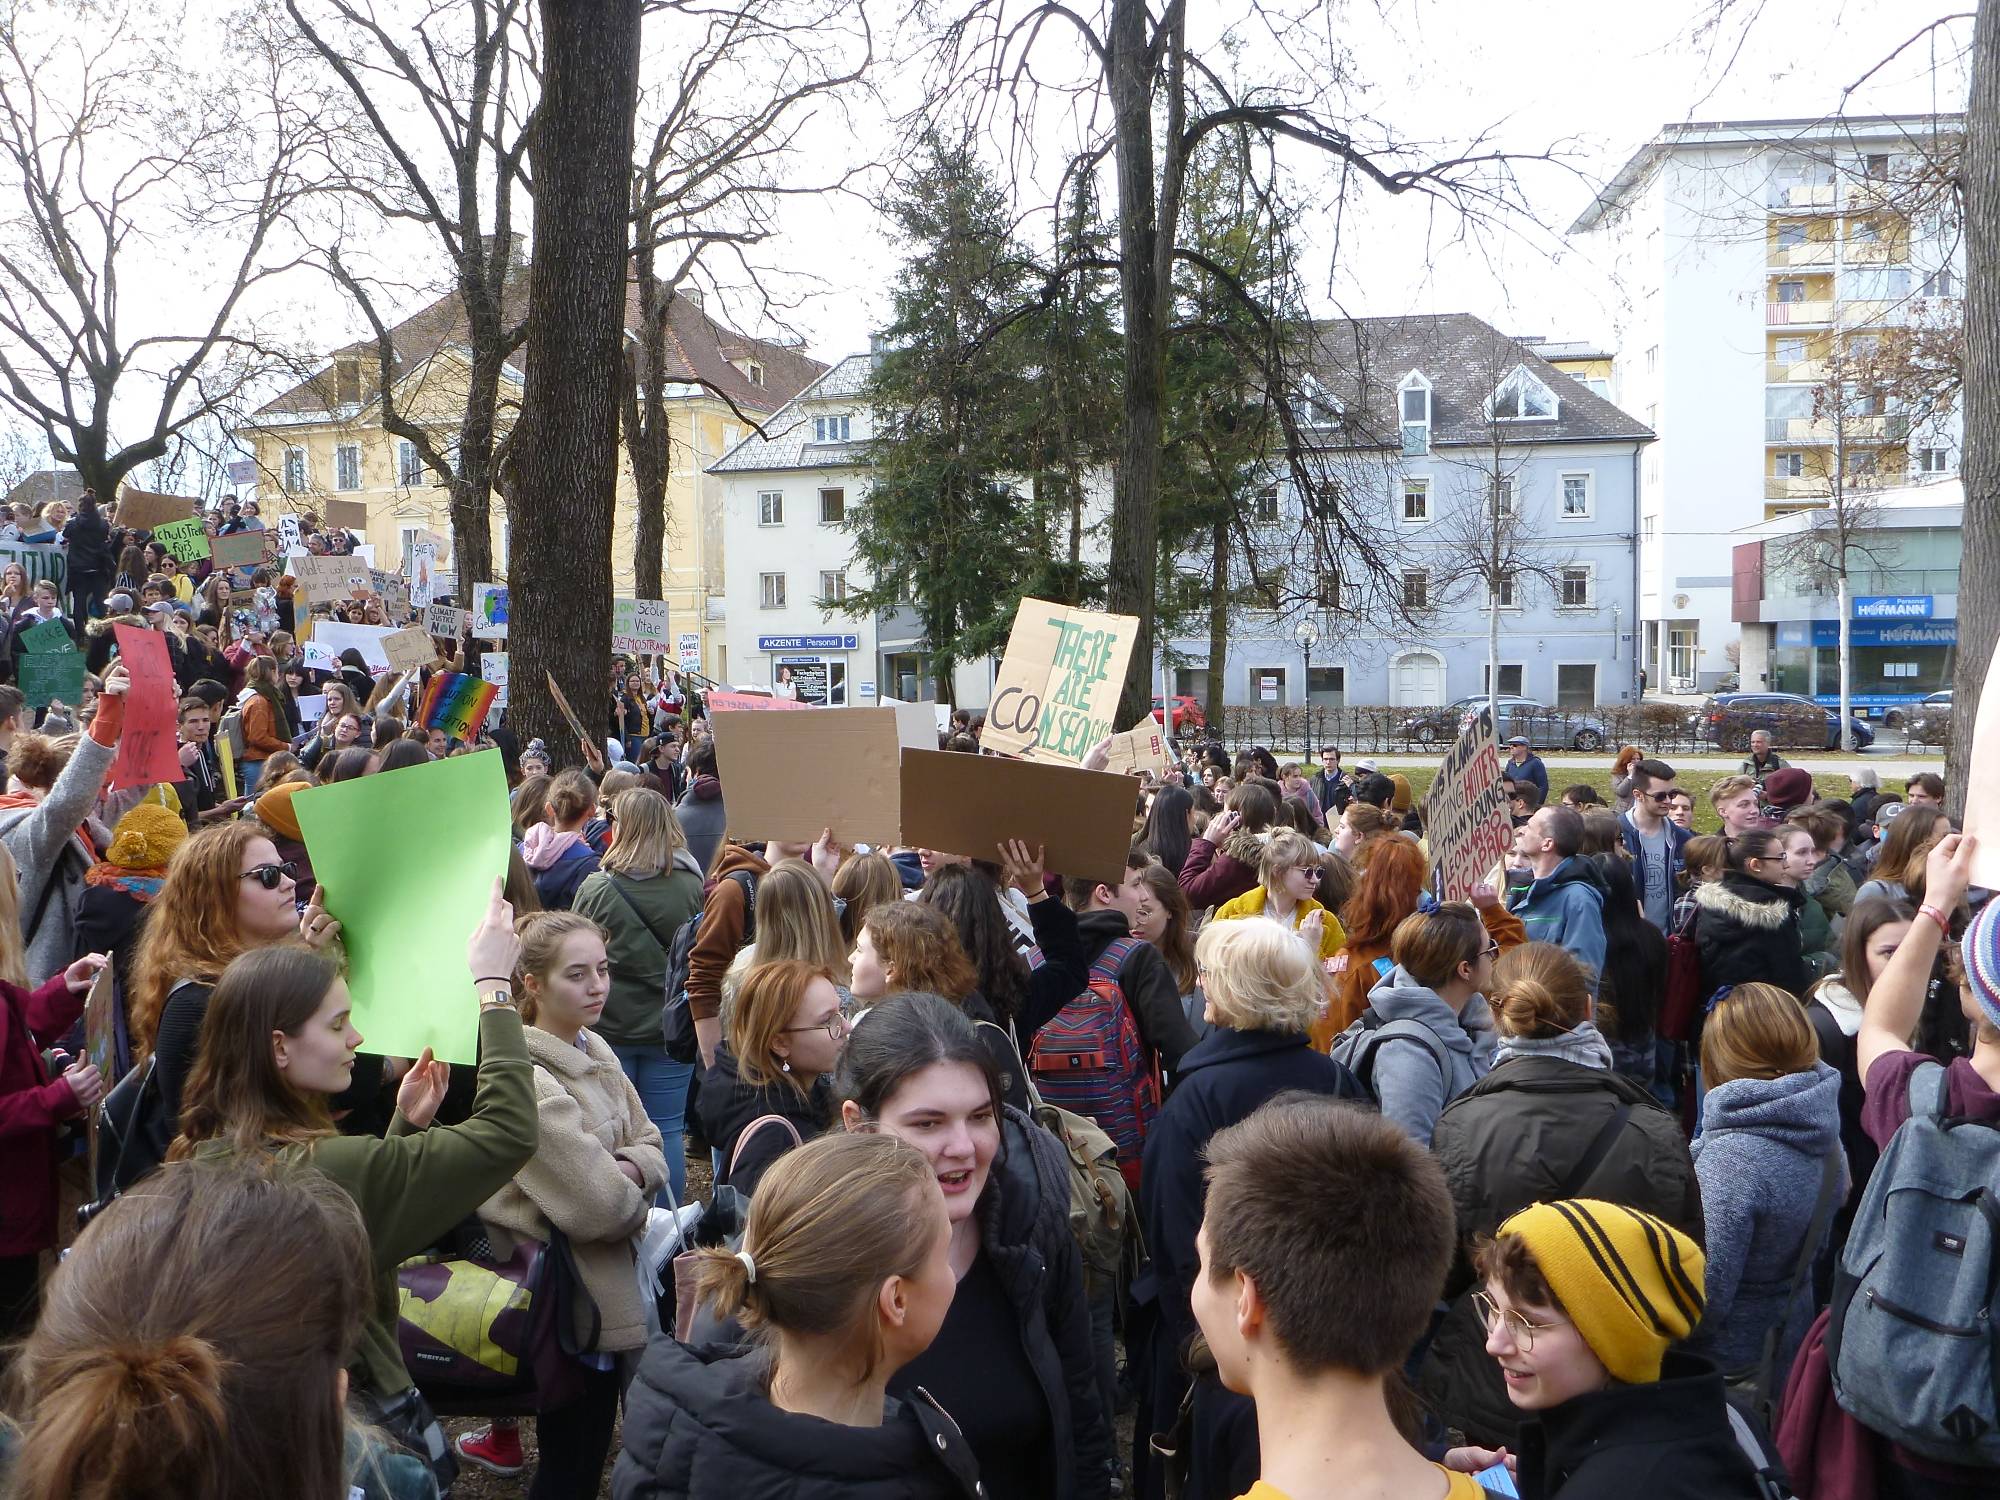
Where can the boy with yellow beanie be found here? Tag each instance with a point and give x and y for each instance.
(1582, 1301)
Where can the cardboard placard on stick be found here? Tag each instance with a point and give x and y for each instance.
(853, 753)
(409, 650)
(490, 611)
(145, 510)
(719, 702)
(326, 580)
(639, 626)
(51, 677)
(1059, 682)
(569, 714)
(1466, 821)
(348, 515)
(968, 804)
(444, 620)
(1982, 788)
(1141, 749)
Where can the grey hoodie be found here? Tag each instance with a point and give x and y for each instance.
(1582, 1044)
(1405, 1076)
(1758, 1162)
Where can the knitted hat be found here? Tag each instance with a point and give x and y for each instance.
(1981, 950)
(1631, 1283)
(146, 838)
(1788, 788)
(1401, 801)
(274, 809)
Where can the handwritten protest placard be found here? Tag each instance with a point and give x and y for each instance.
(1059, 682)
(331, 638)
(1466, 821)
(493, 667)
(423, 573)
(101, 1043)
(639, 626)
(457, 703)
(853, 753)
(489, 611)
(1982, 789)
(242, 549)
(325, 580)
(443, 620)
(186, 540)
(49, 635)
(51, 676)
(409, 649)
(967, 804)
(146, 511)
(1141, 749)
(147, 745)
(719, 702)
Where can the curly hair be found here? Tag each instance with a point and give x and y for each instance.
(191, 932)
(920, 944)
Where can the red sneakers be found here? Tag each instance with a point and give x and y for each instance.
(496, 1448)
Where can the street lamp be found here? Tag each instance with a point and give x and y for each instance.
(1307, 635)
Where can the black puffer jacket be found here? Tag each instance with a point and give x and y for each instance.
(726, 1104)
(1747, 931)
(1521, 1136)
(699, 1426)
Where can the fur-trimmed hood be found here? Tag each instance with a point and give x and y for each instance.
(1245, 847)
(1746, 899)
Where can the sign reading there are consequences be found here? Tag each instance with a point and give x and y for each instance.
(1465, 816)
(1059, 683)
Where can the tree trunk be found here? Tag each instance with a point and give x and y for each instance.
(1133, 574)
(567, 451)
(472, 486)
(1979, 569)
(1218, 628)
(646, 434)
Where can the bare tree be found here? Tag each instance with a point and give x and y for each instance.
(447, 102)
(125, 164)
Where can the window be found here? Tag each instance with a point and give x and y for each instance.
(1416, 589)
(770, 507)
(1576, 497)
(1791, 291)
(409, 467)
(1653, 360)
(1522, 398)
(1510, 590)
(1875, 167)
(1414, 406)
(1264, 505)
(1322, 410)
(1933, 461)
(771, 587)
(1790, 235)
(1938, 284)
(1790, 352)
(832, 587)
(347, 467)
(830, 429)
(1327, 595)
(1860, 463)
(1267, 684)
(1788, 465)
(1576, 684)
(1505, 500)
(295, 471)
(1416, 499)
(1327, 686)
(1865, 231)
(1576, 587)
(755, 371)
(1511, 673)
(832, 507)
(1648, 527)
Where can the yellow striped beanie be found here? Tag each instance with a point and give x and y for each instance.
(1631, 1283)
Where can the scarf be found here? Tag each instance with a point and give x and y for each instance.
(1582, 1043)
(543, 845)
(1839, 1003)
(141, 885)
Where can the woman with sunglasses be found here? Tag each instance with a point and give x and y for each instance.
(1287, 876)
(784, 1037)
(225, 893)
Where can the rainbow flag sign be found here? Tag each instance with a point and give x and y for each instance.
(456, 702)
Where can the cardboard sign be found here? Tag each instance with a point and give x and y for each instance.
(423, 574)
(1982, 790)
(409, 650)
(291, 535)
(639, 626)
(720, 702)
(1141, 749)
(348, 515)
(186, 540)
(148, 745)
(968, 804)
(569, 714)
(1059, 682)
(457, 703)
(689, 649)
(325, 580)
(853, 753)
(51, 677)
(443, 620)
(1466, 822)
(489, 611)
(330, 638)
(145, 511)
(493, 667)
(312, 708)
(916, 726)
(49, 635)
(242, 549)
(100, 1043)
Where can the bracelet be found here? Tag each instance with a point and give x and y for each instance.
(1944, 922)
(506, 979)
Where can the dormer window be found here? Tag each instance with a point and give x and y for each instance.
(1321, 410)
(1522, 398)
(1414, 406)
(755, 371)
(830, 429)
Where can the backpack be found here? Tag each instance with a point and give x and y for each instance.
(677, 1022)
(1090, 1060)
(1355, 1048)
(133, 1131)
(1911, 1342)
(1681, 1002)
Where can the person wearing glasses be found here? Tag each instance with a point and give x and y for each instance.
(1287, 876)
(785, 1032)
(1554, 1119)
(1654, 840)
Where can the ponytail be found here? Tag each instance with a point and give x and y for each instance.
(1539, 991)
(127, 1419)
(1758, 843)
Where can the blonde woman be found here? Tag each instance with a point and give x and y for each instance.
(647, 887)
(783, 1038)
(795, 919)
(1288, 873)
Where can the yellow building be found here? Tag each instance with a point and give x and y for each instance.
(321, 448)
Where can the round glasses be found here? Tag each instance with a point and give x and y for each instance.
(1518, 1328)
(835, 1027)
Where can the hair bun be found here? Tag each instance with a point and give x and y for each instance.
(180, 1366)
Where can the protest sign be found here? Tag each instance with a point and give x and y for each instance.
(1466, 821)
(331, 638)
(100, 1043)
(569, 714)
(326, 580)
(348, 515)
(50, 635)
(423, 574)
(225, 752)
(443, 620)
(639, 626)
(457, 703)
(1982, 788)
(404, 922)
(242, 549)
(1059, 683)
(291, 535)
(493, 667)
(51, 676)
(312, 708)
(720, 702)
(853, 753)
(145, 511)
(184, 539)
(916, 726)
(967, 804)
(147, 745)
(489, 611)
(38, 563)
(1141, 749)
(409, 649)
(688, 647)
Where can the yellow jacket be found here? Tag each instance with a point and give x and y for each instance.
(1332, 937)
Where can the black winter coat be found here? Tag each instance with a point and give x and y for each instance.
(726, 1104)
(1224, 1078)
(88, 540)
(700, 1426)
(1747, 931)
(1516, 1138)
(1666, 1441)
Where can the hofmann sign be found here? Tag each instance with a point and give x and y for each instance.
(1893, 607)
(808, 642)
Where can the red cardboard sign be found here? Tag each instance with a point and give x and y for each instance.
(148, 745)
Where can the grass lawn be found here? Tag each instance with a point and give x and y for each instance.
(1827, 784)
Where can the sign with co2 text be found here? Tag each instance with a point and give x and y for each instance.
(1059, 683)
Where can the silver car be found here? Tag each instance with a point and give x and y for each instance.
(1546, 728)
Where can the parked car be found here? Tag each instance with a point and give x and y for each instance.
(1897, 715)
(1792, 720)
(1928, 722)
(1187, 713)
(1546, 728)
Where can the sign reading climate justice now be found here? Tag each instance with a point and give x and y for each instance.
(1465, 816)
(1059, 682)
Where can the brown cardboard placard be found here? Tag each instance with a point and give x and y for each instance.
(1982, 789)
(1466, 823)
(242, 549)
(967, 804)
(854, 781)
(144, 510)
(326, 580)
(1140, 749)
(1059, 682)
(348, 515)
(409, 650)
(569, 714)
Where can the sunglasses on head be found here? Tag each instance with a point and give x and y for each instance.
(272, 876)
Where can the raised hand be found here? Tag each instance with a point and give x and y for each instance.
(423, 1089)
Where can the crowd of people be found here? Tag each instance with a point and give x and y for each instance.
(1577, 1186)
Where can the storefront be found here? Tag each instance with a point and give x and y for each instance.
(1899, 654)
(810, 668)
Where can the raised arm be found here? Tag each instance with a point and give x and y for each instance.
(1896, 999)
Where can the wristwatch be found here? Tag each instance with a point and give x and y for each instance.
(497, 997)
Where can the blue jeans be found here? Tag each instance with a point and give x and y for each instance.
(663, 1091)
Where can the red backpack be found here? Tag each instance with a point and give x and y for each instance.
(1091, 1061)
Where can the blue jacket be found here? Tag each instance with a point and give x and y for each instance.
(557, 884)
(1530, 769)
(1566, 907)
(1677, 838)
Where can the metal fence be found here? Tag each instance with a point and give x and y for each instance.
(1658, 728)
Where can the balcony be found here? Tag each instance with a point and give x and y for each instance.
(1794, 372)
(1808, 488)
(1796, 195)
(1891, 427)
(1813, 253)
(1877, 252)
(1798, 314)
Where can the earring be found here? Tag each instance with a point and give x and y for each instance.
(785, 1065)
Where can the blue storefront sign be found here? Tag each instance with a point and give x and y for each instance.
(808, 642)
(1827, 633)
(1893, 607)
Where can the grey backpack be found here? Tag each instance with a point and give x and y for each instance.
(1912, 1341)
(1355, 1048)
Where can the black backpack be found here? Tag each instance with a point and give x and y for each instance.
(134, 1130)
(677, 1023)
